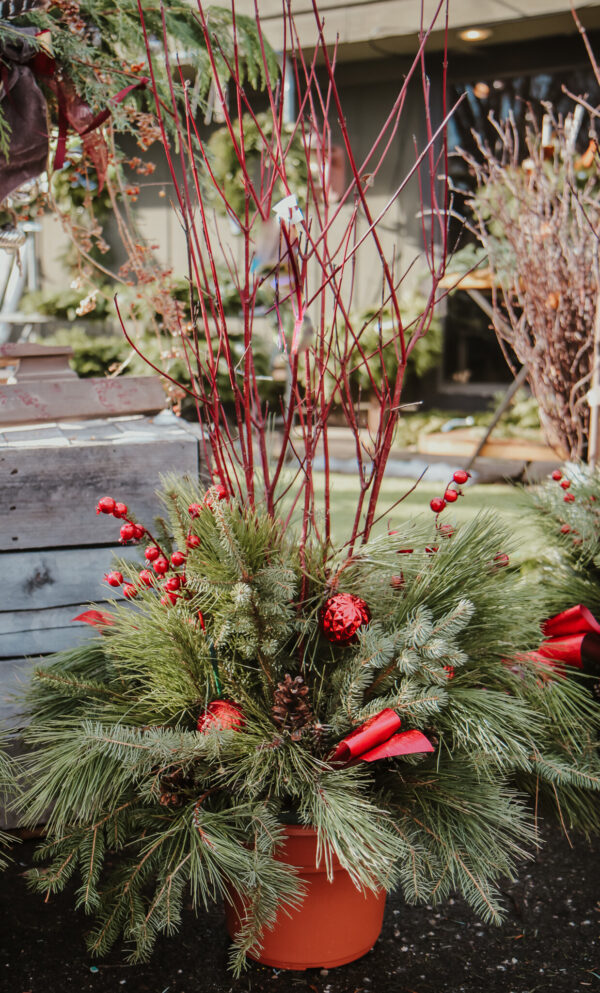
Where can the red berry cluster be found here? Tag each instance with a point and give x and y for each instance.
(557, 476)
(451, 494)
(173, 587)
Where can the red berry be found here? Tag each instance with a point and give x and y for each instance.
(106, 505)
(169, 599)
(449, 670)
(398, 582)
(431, 549)
(437, 505)
(461, 476)
(161, 565)
(120, 510)
(501, 559)
(565, 483)
(195, 509)
(177, 559)
(146, 577)
(192, 541)
(173, 583)
(219, 492)
(450, 496)
(127, 532)
(565, 529)
(557, 474)
(445, 530)
(139, 531)
(130, 591)
(152, 553)
(114, 578)
(569, 498)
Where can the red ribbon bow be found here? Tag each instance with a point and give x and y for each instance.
(573, 638)
(376, 739)
(97, 618)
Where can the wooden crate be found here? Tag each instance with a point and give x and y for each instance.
(54, 549)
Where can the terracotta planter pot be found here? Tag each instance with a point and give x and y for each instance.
(335, 924)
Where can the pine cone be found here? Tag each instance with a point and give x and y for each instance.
(291, 709)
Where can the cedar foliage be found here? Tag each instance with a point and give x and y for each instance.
(116, 758)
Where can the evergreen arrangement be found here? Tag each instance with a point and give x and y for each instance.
(215, 703)
(254, 674)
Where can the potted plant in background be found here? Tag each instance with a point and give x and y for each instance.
(265, 683)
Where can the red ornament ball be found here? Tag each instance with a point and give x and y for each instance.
(222, 714)
(177, 559)
(565, 483)
(120, 510)
(450, 495)
(501, 559)
(556, 475)
(161, 565)
(139, 531)
(195, 509)
(172, 584)
(130, 591)
(192, 541)
(437, 505)
(569, 498)
(106, 505)
(152, 553)
(341, 617)
(127, 532)
(461, 476)
(114, 578)
(146, 577)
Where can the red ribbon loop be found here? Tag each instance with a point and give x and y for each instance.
(573, 638)
(375, 739)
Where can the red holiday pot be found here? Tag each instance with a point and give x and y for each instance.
(336, 923)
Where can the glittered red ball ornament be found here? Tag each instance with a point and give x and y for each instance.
(146, 577)
(192, 541)
(177, 559)
(556, 475)
(222, 714)
(565, 483)
(106, 505)
(172, 584)
(161, 565)
(195, 509)
(120, 510)
(152, 553)
(130, 591)
(127, 532)
(450, 495)
(114, 578)
(341, 617)
(461, 476)
(437, 505)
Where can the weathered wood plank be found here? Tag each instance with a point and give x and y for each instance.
(35, 580)
(49, 495)
(38, 401)
(15, 675)
(33, 632)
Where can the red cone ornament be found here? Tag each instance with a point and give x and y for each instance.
(221, 714)
(341, 617)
